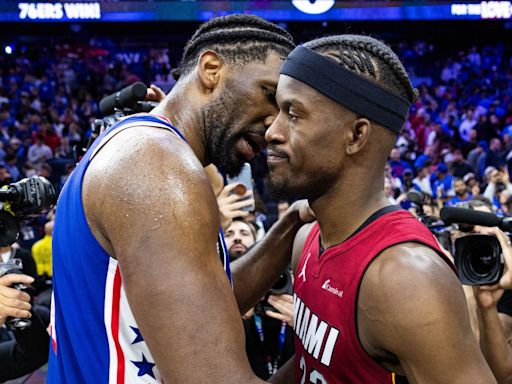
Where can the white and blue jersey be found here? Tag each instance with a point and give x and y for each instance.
(94, 336)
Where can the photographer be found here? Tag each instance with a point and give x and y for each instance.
(268, 334)
(29, 350)
(494, 334)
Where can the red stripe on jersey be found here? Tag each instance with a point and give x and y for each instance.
(116, 300)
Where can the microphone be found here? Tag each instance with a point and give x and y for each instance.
(125, 98)
(452, 215)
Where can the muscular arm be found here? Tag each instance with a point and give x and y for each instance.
(411, 308)
(150, 204)
(286, 374)
(255, 272)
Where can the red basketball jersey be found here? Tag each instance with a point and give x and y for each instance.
(325, 300)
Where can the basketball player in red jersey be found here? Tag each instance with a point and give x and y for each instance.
(376, 300)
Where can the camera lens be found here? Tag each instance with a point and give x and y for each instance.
(482, 261)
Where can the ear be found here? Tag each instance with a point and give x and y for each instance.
(359, 133)
(209, 67)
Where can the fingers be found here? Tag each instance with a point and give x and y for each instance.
(13, 278)
(284, 304)
(14, 303)
(154, 93)
(278, 316)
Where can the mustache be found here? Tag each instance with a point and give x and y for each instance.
(272, 150)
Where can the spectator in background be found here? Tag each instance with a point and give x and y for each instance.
(397, 164)
(467, 124)
(476, 158)
(461, 193)
(39, 152)
(459, 166)
(495, 155)
(268, 342)
(442, 183)
(422, 180)
(472, 183)
(42, 252)
(498, 180)
(11, 166)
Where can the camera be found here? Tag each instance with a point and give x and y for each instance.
(15, 266)
(478, 259)
(23, 200)
(114, 107)
(283, 285)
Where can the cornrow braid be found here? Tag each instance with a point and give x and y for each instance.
(238, 38)
(355, 52)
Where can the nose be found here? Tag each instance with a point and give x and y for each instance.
(275, 132)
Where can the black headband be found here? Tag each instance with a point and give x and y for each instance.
(358, 94)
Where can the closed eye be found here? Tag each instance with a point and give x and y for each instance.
(270, 95)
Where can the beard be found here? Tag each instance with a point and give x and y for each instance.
(220, 115)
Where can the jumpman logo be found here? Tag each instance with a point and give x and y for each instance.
(303, 272)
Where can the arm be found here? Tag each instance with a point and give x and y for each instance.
(256, 271)
(411, 306)
(162, 227)
(493, 339)
(494, 344)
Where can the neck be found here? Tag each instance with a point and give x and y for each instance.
(346, 206)
(186, 117)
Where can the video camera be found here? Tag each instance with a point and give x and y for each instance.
(478, 257)
(114, 107)
(20, 201)
(283, 285)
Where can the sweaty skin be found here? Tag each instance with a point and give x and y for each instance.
(412, 316)
(150, 205)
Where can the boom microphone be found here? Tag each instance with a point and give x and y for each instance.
(452, 215)
(125, 98)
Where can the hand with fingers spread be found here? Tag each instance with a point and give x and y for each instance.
(13, 302)
(231, 205)
(284, 305)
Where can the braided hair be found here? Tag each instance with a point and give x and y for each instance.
(358, 53)
(238, 38)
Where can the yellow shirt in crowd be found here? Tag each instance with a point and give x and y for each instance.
(42, 253)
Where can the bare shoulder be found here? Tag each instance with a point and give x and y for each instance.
(407, 277)
(142, 175)
(299, 242)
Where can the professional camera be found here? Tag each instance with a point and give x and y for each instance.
(23, 200)
(435, 226)
(114, 107)
(478, 257)
(283, 285)
(15, 266)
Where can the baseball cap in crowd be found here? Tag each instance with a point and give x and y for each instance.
(407, 170)
(468, 176)
(490, 169)
(441, 167)
(15, 141)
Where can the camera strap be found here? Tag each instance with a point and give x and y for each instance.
(271, 366)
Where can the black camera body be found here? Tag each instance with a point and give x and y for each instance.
(283, 285)
(23, 200)
(478, 259)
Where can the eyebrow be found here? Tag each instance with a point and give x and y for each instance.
(293, 102)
